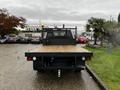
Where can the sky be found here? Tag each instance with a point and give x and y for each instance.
(62, 11)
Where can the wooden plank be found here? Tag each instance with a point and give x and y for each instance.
(60, 48)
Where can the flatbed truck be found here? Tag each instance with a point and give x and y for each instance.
(59, 52)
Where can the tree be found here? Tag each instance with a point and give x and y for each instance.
(112, 31)
(97, 25)
(8, 22)
(87, 28)
(119, 18)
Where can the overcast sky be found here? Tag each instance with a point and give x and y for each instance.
(62, 11)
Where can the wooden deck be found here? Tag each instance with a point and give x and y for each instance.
(60, 49)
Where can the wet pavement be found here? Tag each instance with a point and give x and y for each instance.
(17, 74)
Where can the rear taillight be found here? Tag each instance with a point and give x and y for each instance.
(29, 58)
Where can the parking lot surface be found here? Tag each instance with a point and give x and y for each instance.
(17, 74)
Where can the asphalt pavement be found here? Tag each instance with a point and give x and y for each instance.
(17, 74)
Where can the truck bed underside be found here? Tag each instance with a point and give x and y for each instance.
(59, 63)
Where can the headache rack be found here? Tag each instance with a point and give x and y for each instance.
(59, 36)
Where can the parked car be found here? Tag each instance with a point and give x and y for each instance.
(88, 35)
(22, 39)
(12, 38)
(82, 40)
(35, 39)
(28, 37)
(3, 40)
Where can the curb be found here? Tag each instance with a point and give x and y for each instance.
(96, 78)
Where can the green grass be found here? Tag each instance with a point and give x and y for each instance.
(107, 66)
